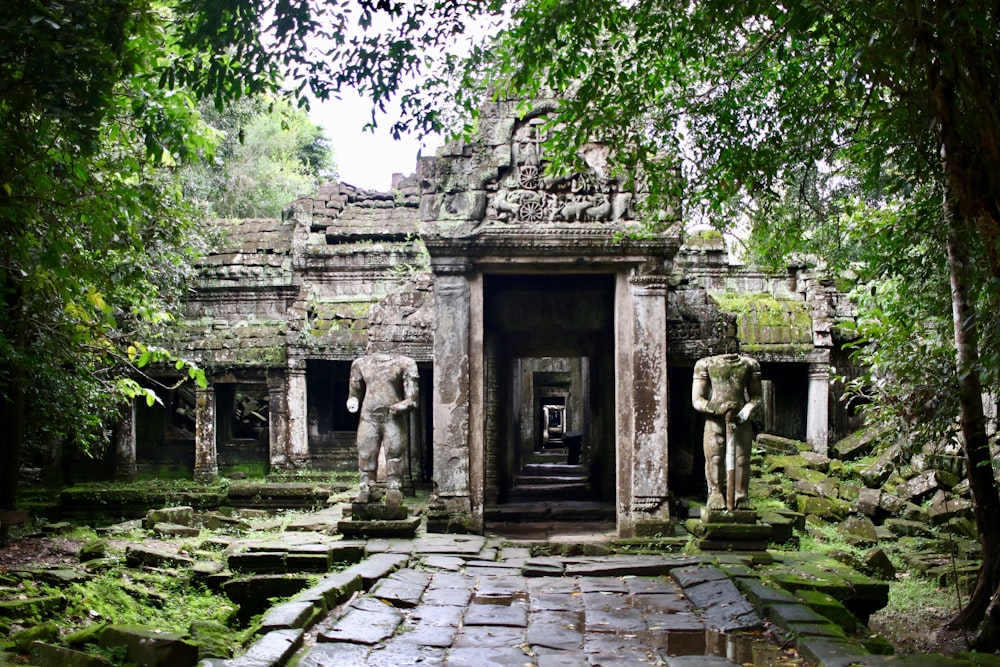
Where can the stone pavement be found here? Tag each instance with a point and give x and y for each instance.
(460, 600)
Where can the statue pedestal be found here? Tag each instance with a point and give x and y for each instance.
(378, 520)
(725, 530)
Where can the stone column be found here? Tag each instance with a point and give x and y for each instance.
(297, 448)
(452, 397)
(206, 467)
(818, 407)
(648, 509)
(125, 470)
(277, 418)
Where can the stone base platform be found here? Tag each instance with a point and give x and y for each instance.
(377, 512)
(725, 530)
(386, 528)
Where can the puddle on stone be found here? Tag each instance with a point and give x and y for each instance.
(741, 649)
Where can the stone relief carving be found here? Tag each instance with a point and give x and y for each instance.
(525, 194)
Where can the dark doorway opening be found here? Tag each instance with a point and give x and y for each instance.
(549, 367)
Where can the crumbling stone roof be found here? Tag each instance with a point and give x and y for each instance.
(253, 251)
(767, 324)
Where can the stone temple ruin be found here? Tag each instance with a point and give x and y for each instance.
(532, 314)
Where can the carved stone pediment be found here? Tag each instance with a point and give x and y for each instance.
(523, 194)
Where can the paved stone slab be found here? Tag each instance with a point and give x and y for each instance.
(626, 620)
(663, 603)
(696, 574)
(562, 659)
(618, 566)
(457, 597)
(274, 648)
(603, 585)
(605, 601)
(488, 657)
(487, 636)
(618, 650)
(562, 585)
(501, 587)
(514, 615)
(542, 567)
(366, 621)
(433, 626)
(289, 615)
(449, 544)
(402, 588)
(337, 654)
(651, 586)
(572, 602)
(676, 622)
(397, 654)
(559, 630)
(332, 589)
(447, 563)
(713, 593)
(377, 566)
(452, 580)
(698, 661)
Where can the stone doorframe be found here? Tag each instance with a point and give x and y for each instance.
(641, 270)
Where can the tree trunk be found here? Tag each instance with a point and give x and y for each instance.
(12, 407)
(985, 499)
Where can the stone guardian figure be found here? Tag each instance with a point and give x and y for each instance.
(384, 387)
(727, 390)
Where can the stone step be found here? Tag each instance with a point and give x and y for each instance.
(551, 480)
(560, 469)
(551, 492)
(575, 511)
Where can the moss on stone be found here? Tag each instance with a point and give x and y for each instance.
(765, 323)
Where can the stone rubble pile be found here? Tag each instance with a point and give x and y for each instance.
(912, 509)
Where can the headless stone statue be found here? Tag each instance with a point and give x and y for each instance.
(727, 390)
(384, 387)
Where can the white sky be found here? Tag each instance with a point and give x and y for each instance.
(365, 159)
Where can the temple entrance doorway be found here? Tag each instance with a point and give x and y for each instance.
(548, 344)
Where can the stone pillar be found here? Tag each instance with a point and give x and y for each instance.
(297, 448)
(452, 499)
(644, 381)
(277, 418)
(125, 470)
(206, 467)
(818, 407)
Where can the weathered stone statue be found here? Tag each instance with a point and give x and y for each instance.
(727, 390)
(384, 387)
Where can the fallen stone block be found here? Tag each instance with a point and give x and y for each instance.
(38, 607)
(920, 487)
(152, 648)
(908, 528)
(49, 655)
(775, 444)
(138, 556)
(946, 509)
(858, 444)
(261, 562)
(868, 501)
(164, 529)
(858, 531)
(877, 562)
(182, 515)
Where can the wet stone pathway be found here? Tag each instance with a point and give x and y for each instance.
(462, 602)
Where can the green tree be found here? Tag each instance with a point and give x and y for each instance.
(98, 106)
(766, 105)
(270, 154)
